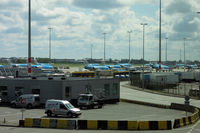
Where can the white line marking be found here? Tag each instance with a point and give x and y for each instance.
(193, 127)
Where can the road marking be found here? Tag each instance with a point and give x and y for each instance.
(192, 128)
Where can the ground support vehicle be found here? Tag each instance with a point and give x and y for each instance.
(89, 101)
(61, 107)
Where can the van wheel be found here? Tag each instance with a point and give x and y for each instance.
(29, 106)
(49, 113)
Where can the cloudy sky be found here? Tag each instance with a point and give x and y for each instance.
(78, 24)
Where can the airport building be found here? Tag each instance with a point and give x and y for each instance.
(60, 88)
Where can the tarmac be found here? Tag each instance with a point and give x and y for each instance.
(139, 95)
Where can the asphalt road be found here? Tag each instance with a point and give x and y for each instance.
(120, 111)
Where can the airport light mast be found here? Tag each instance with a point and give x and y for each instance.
(143, 24)
(184, 54)
(50, 44)
(29, 39)
(130, 45)
(166, 50)
(91, 51)
(199, 80)
(160, 39)
(104, 48)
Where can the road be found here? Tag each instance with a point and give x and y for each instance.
(114, 112)
(132, 94)
(120, 111)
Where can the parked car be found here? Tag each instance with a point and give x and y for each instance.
(89, 101)
(26, 101)
(61, 107)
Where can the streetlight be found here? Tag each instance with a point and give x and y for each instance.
(91, 51)
(180, 55)
(104, 47)
(199, 80)
(130, 45)
(29, 38)
(143, 24)
(184, 54)
(166, 50)
(160, 38)
(50, 44)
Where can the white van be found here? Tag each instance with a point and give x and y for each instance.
(61, 107)
(27, 101)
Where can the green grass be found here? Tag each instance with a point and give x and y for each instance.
(68, 64)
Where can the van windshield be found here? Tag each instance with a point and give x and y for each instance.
(69, 106)
(83, 98)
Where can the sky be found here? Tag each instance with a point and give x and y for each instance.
(78, 25)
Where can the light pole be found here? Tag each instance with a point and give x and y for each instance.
(143, 24)
(199, 80)
(50, 44)
(104, 47)
(160, 38)
(198, 13)
(166, 50)
(91, 51)
(184, 54)
(130, 45)
(29, 39)
(180, 55)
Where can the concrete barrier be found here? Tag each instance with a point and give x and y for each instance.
(107, 125)
(124, 125)
(154, 125)
(49, 123)
(187, 120)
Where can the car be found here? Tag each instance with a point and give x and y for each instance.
(89, 101)
(26, 101)
(61, 107)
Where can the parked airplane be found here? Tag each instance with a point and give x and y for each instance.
(42, 66)
(125, 65)
(101, 68)
(149, 65)
(90, 66)
(114, 66)
(192, 66)
(156, 66)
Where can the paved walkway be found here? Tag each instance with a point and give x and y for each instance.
(139, 95)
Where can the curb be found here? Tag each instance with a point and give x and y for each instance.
(181, 122)
(145, 103)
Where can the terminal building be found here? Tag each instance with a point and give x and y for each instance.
(60, 88)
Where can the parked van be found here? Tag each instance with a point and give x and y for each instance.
(27, 101)
(61, 107)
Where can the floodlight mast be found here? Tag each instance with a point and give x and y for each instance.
(29, 38)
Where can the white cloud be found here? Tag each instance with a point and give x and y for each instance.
(76, 26)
